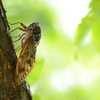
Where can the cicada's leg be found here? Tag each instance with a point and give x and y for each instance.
(18, 48)
(19, 37)
(24, 26)
(22, 29)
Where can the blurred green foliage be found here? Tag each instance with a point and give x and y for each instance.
(90, 23)
(57, 75)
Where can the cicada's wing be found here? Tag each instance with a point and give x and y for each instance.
(26, 61)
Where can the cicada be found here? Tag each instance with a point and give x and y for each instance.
(26, 60)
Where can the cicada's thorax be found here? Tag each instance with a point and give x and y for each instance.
(33, 30)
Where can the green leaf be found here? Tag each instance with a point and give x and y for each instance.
(96, 34)
(83, 29)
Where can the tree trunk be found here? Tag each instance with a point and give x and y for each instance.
(8, 59)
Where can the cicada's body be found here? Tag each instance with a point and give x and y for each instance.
(26, 60)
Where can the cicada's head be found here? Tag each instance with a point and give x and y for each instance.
(36, 31)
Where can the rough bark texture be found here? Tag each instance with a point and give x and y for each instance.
(8, 59)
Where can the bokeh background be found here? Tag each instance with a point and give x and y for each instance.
(68, 56)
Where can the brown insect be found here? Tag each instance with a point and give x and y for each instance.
(26, 60)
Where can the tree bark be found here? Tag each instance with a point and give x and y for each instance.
(8, 59)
